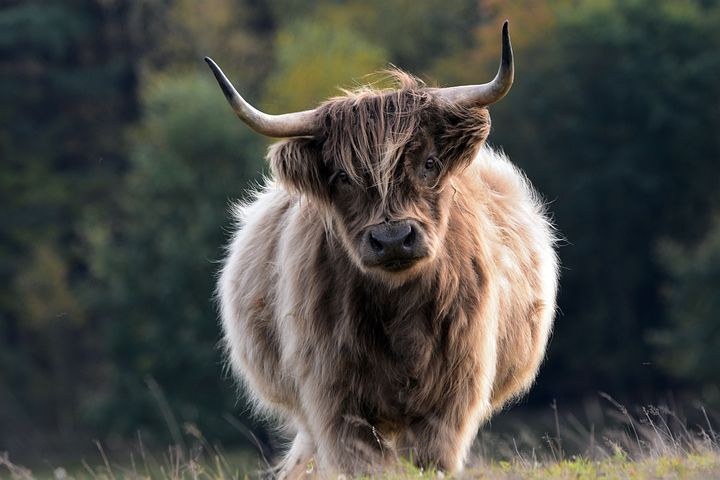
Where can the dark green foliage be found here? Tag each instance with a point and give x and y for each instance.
(67, 91)
(689, 347)
(155, 262)
(611, 120)
(413, 33)
(113, 210)
(303, 78)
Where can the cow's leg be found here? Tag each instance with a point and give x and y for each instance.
(442, 439)
(346, 442)
(350, 444)
(298, 461)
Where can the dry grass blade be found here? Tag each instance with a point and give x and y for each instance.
(16, 471)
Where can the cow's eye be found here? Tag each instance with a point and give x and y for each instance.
(430, 163)
(340, 176)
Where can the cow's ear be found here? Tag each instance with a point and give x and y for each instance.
(463, 133)
(297, 164)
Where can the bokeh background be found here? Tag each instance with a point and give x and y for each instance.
(119, 157)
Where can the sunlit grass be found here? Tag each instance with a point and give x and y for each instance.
(697, 465)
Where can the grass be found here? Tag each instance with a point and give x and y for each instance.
(646, 443)
(690, 466)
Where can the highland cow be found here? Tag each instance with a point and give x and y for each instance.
(393, 284)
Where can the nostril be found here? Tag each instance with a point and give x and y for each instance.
(375, 244)
(409, 241)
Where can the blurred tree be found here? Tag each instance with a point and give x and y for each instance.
(233, 32)
(67, 94)
(67, 90)
(107, 262)
(313, 59)
(416, 33)
(412, 34)
(52, 308)
(155, 262)
(614, 115)
(476, 59)
(689, 347)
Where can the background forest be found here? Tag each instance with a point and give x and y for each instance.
(119, 157)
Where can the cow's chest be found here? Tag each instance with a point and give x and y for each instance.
(398, 363)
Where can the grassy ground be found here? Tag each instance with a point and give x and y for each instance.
(691, 466)
(646, 443)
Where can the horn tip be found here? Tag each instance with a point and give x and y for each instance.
(507, 55)
(211, 63)
(222, 80)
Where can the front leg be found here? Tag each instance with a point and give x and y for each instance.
(347, 442)
(443, 438)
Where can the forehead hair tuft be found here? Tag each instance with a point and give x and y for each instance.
(366, 130)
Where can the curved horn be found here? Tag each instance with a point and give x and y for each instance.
(296, 124)
(493, 91)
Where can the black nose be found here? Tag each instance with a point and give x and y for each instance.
(392, 241)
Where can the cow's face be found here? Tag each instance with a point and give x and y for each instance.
(394, 233)
(382, 171)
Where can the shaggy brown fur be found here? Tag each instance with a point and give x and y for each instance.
(366, 364)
